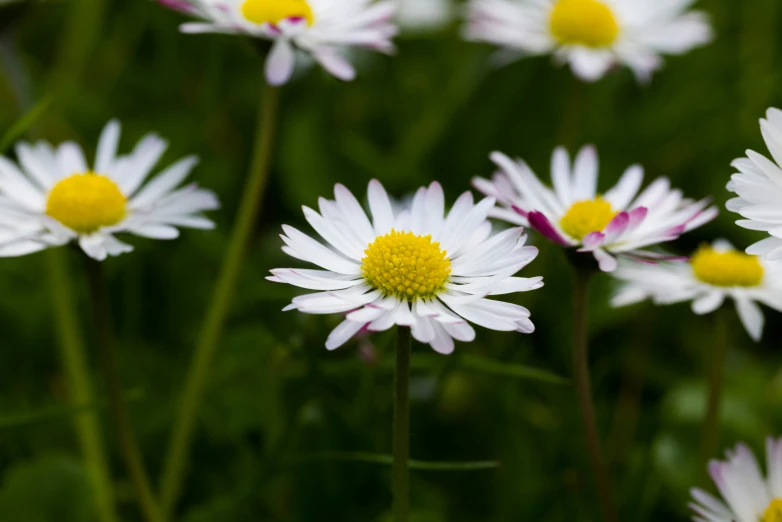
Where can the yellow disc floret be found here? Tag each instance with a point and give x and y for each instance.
(584, 22)
(275, 11)
(86, 202)
(727, 268)
(774, 511)
(405, 265)
(584, 217)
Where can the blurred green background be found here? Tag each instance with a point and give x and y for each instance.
(276, 397)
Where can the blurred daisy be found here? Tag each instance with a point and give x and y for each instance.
(419, 267)
(619, 223)
(758, 185)
(715, 273)
(317, 27)
(52, 197)
(425, 15)
(591, 35)
(748, 495)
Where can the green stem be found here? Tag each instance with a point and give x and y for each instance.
(584, 393)
(255, 187)
(716, 381)
(74, 360)
(400, 485)
(130, 450)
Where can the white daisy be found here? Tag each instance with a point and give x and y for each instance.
(52, 197)
(591, 35)
(425, 15)
(758, 185)
(748, 496)
(574, 215)
(419, 267)
(715, 273)
(318, 27)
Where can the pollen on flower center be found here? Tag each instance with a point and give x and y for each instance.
(584, 217)
(405, 265)
(584, 22)
(774, 511)
(275, 11)
(729, 268)
(86, 202)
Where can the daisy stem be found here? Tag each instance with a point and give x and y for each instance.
(108, 364)
(716, 378)
(74, 360)
(222, 297)
(584, 393)
(400, 485)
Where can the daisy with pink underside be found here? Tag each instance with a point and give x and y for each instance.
(748, 495)
(619, 223)
(416, 267)
(320, 28)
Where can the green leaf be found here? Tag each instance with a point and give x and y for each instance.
(387, 460)
(24, 124)
(53, 487)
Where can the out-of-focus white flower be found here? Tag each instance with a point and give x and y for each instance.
(758, 185)
(417, 268)
(591, 35)
(318, 27)
(573, 214)
(715, 273)
(748, 495)
(417, 16)
(54, 197)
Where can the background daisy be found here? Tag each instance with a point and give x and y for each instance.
(715, 273)
(591, 35)
(758, 185)
(318, 27)
(748, 495)
(420, 268)
(620, 222)
(53, 197)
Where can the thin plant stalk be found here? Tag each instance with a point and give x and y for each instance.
(584, 394)
(108, 363)
(220, 304)
(400, 482)
(716, 384)
(73, 354)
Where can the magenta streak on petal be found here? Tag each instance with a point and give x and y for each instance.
(178, 5)
(715, 470)
(273, 28)
(674, 232)
(617, 226)
(540, 222)
(592, 240)
(521, 211)
(296, 19)
(640, 259)
(637, 215)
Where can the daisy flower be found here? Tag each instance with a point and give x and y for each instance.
(52, 197)
(417, 267)
(758, 185)
(317, 27)
(591, 35)
(748, 495)
(714, 273)
(619, 223)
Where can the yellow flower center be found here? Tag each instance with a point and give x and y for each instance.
(584, 22)
(86, 202)
(405, 265)
(774, 511)
(584, 217)
(730, 268)
(274, 11)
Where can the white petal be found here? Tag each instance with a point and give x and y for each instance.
(279, 62)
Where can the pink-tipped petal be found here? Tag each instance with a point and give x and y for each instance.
(540, 222)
